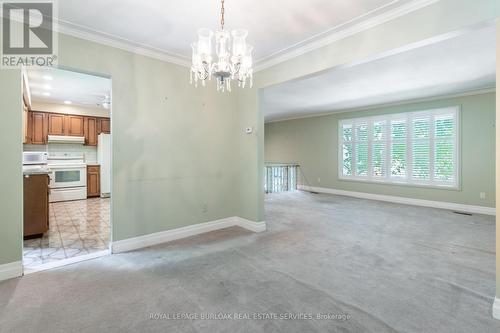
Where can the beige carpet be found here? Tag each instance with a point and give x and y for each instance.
(326, 264)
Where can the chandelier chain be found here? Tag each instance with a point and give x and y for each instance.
(222, 14)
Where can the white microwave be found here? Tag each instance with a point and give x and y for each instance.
(33, 157)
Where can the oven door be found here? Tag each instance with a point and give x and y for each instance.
(63, 177)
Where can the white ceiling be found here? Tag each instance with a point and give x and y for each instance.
(451, 66)
(55, 85)
(275, 27)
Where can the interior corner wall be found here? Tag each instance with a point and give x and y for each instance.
(314, 144)
(174, 146)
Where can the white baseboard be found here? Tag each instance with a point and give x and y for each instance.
(496, 308)
(250, 225)
(403, 200)
(11, 270)
(188, 231)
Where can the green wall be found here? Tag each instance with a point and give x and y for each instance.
(11, 176)
(313, 143)
(175, 147)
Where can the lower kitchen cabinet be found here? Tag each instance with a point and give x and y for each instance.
(36, 204)
(93, 181)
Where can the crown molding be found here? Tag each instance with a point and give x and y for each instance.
(103, 38)
(335, 34)
(309, 44)
(475, 92)
(120, 43)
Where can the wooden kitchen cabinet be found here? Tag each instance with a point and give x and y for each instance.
(61, 124)
(41, 124)
(93, 181)
(105, 125)
(37, 128)
(90, 129)
(36, 205)
(74, 125)
(56, 124)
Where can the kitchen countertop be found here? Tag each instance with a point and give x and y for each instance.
(31, 173)
(35, 170)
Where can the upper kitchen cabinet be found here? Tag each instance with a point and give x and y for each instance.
(104, 126)
(41, 124)
(90, 129)
(74, 125)
(61, 124)
(37, 128)
(56, 124)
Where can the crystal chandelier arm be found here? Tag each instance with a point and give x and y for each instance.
(206, 71)
(235, 68)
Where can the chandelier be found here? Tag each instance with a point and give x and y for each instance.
(234, 62)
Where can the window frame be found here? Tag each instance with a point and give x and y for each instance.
(408, 180)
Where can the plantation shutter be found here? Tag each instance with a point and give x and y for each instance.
(347, 149)
(379, 149)
(418, 148)
(421, 150)
(398, 148)
(361, 149)
(444, 148)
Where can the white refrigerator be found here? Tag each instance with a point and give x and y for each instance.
(104, 160)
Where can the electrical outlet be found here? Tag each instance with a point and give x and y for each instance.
(204, 208)
(482, 195)
(319, 180)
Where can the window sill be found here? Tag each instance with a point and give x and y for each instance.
(396, 183)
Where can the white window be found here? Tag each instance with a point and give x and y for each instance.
(414, 148)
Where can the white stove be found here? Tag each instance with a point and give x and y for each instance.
(68, 177)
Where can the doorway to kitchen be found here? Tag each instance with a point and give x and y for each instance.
(66, 167)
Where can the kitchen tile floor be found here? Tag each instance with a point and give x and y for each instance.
(76, 228)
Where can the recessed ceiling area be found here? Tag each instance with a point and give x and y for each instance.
(452, 66)
(54, 85)
(170, 26)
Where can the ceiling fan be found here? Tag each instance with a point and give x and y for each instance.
(105, 101)
(102, 101)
